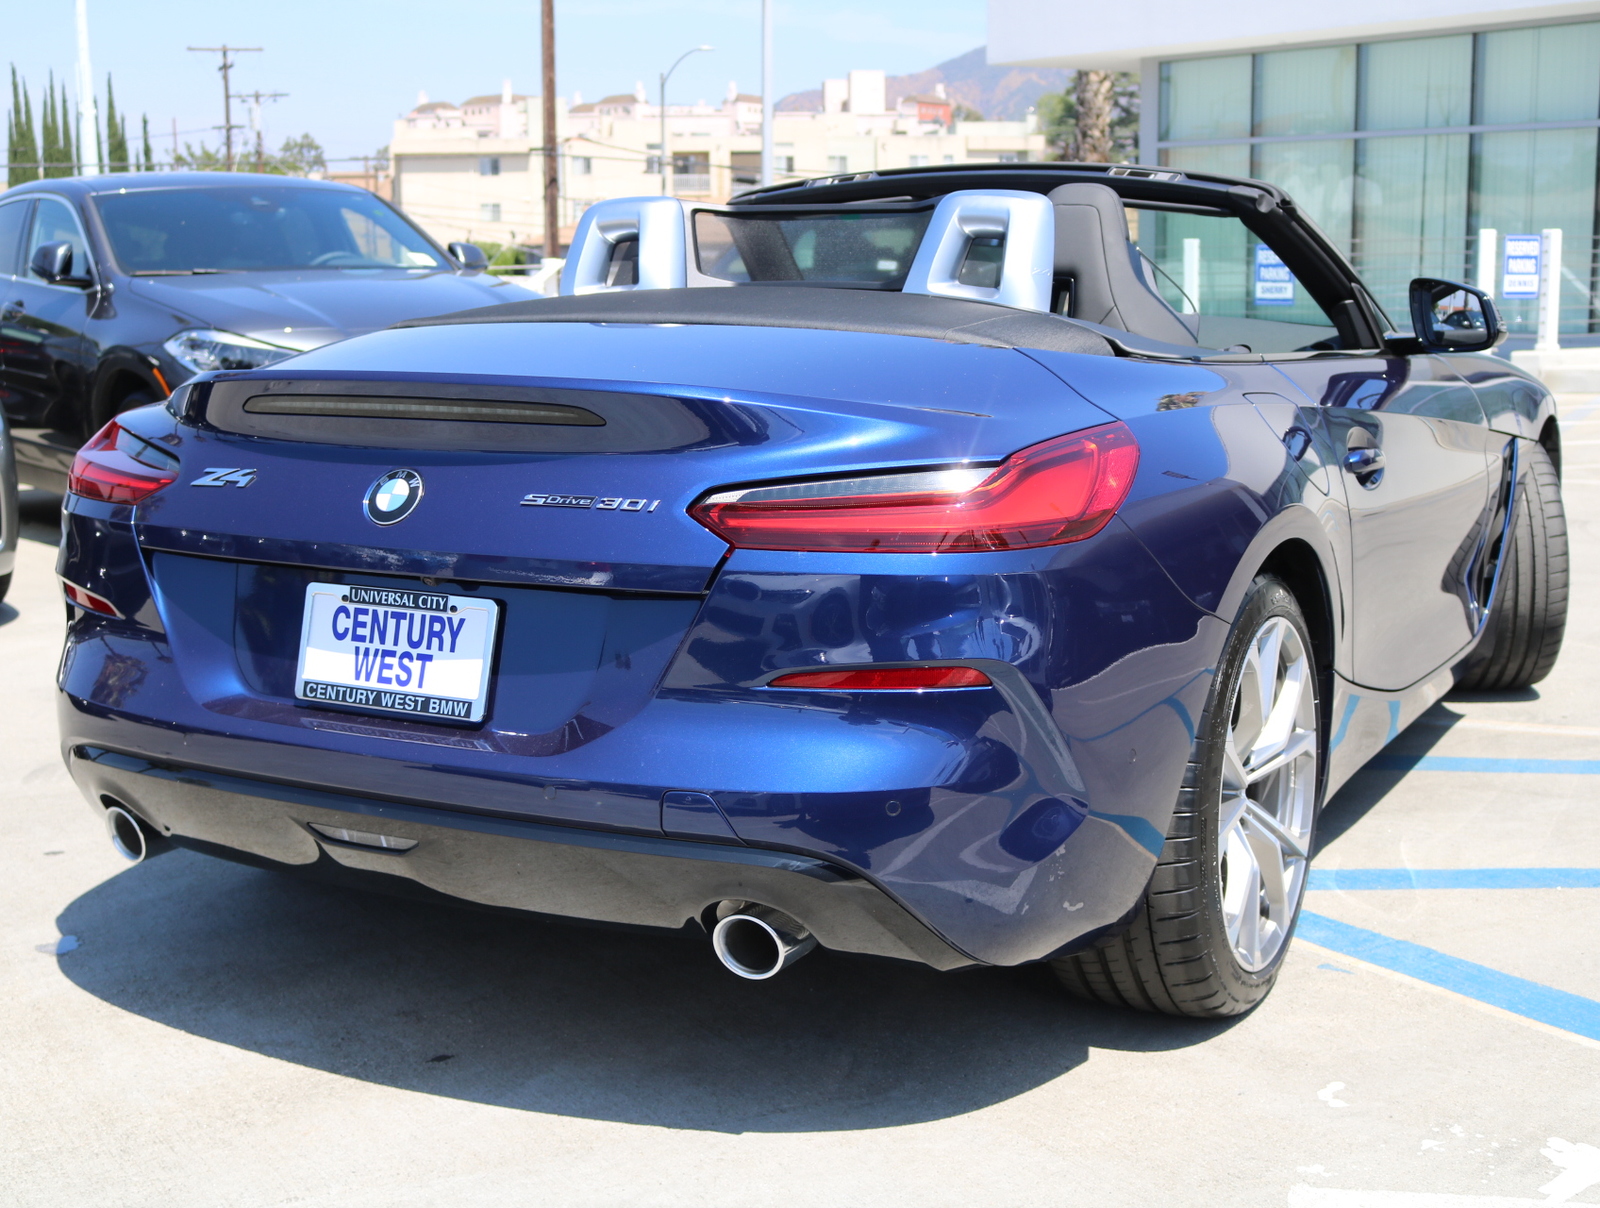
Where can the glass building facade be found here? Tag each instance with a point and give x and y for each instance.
(1403, 150)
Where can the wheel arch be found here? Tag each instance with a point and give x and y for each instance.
(1550, 440)
(120, 374)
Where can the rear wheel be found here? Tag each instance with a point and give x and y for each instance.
(1216, 920)
(1528, 615)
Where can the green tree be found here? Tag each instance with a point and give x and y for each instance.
(203, 160)
(964, 113)
(22, 146)
(1108, 104)
(298, 157)
(149, 164)
(116, 134)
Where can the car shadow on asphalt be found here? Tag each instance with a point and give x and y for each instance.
(1363, 791)
(40, 516)
(577, 1021)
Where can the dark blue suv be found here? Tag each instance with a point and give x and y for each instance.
(114, 290)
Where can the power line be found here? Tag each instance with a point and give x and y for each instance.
(227, 91)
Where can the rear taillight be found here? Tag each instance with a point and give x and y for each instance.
(884, 679)
(117, 466)
(91, 601)
(1062, 490)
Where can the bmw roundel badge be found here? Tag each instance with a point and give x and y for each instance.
(393, 497)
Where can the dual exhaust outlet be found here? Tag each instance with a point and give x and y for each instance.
(754, 942)
(134, 839)
(758, 942)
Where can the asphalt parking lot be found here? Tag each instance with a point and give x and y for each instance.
(191, 1032)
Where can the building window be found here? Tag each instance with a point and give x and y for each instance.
(489, 165)
(1012, 157)
(1410, 204)
(838, 163)
(489, 211)
(583, 165)
(919, 161)
(652, 165)
(949, 159)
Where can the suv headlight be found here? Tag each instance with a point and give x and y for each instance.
(203, 349)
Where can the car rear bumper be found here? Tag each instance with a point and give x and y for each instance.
(570, 872)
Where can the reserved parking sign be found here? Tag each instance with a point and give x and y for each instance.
(1521, 278)
(1274, 281)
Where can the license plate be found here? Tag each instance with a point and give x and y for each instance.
(423, 654)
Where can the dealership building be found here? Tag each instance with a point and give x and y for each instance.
(1405, 127)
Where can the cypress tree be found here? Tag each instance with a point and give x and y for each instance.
(149, 152)
(25, 160)
(50, 139)
(116, 134)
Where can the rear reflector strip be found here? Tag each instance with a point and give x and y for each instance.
(885, 679)
(89, 601)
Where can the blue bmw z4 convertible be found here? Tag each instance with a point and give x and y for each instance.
(977, 566)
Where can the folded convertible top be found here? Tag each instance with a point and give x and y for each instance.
(880, 311)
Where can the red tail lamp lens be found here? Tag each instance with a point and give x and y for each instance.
(1062, 490)
(117, 466)
(887, 679)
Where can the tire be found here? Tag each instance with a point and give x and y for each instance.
(5, 585)
(1528, 615)
(107, 412)
(1206, 941)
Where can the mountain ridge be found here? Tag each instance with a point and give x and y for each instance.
(999, 93)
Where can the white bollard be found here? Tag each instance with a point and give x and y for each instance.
(1191, 276)
(1549, 337)
(1488, 258)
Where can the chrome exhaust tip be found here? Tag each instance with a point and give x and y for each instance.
(758, 942)
(135, 842)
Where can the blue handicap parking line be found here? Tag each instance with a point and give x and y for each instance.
(1459, 763)
(1557, 1008)
(1454, 878)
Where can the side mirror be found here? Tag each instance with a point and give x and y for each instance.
(53, 262)
(470, 256)
(1450, 317)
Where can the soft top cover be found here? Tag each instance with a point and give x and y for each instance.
(881, 312)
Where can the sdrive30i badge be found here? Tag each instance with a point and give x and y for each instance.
(393, 497)
(600, 503)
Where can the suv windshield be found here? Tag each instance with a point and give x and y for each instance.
(842, 249)
(254, 227)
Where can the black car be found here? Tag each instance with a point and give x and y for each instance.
(117, 289)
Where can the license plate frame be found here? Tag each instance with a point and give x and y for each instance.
(434, 660)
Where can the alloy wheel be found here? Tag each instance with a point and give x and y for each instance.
(1269, 779)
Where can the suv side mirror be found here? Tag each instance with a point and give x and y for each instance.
(470, 256)
(1450, 317)
(53, 262)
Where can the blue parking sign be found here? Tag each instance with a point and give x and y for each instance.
(1521, 277)
(1274, 281)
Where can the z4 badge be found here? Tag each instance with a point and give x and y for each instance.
(599, 503)
(226, 476)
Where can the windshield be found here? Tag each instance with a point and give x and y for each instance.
(258, 227)
(854, 249)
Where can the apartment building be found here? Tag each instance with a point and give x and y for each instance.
(474, 170)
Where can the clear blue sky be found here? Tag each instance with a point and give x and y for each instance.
(352, 66)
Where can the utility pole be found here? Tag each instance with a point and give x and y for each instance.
(766, 92)
(227, 92)
(552, 166)
(255, 98)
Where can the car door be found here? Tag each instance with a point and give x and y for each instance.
(1418, 462)
(14, 216)
(48, 363)
(1408, 430)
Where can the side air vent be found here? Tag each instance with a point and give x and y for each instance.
(988, 247)
(627, 243)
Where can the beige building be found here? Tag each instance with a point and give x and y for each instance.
(473, 171)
